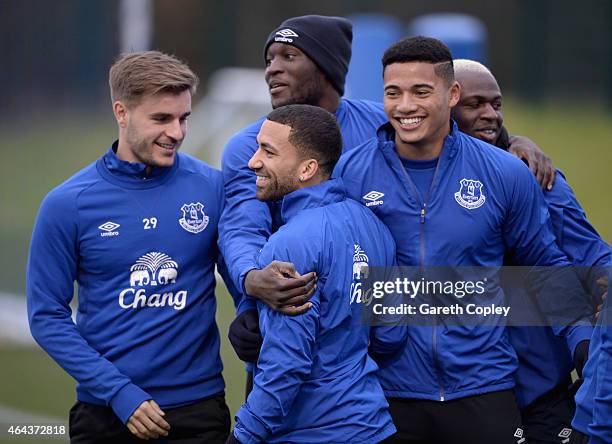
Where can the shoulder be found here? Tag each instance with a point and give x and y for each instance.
(561, 194)
(369, 114)
(298, 241)
(364, 105)
(190, 164)
(490, 156)
(359, 158)
(242, 144)
(62, 201)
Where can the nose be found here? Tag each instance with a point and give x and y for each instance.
(254, 162)
(274, 67)
(406, 104)
(176, 129)
(488, 112)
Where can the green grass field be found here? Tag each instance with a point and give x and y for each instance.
(38, 157)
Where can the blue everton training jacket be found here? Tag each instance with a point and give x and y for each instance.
(594, 399)
(142, 251)
(450, 362)
(314, 381)
(544, 358)
(246, 222)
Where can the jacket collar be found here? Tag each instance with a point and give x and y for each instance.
(325, 193)
(386, 138)
(134, 173)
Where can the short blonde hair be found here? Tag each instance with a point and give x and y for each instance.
(137, 74)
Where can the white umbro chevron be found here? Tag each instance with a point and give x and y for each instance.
(109, 229)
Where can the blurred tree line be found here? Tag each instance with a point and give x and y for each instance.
(55, 55)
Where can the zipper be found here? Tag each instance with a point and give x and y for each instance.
(422, 215)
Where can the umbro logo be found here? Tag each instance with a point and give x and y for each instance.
(109, 229)
(374, 198)
(565, 435)
(285, 35)
(519, 434)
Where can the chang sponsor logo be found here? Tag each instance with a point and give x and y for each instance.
(360, 271)
(153, 269)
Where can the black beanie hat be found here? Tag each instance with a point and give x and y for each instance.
(325, 40)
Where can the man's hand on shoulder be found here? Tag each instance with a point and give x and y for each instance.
(147, 421)
(539, 163)
(281, 287)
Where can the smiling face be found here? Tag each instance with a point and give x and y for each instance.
(151, 131)
(417, 102)
(277, 163)
(292, 77)
(479, 111)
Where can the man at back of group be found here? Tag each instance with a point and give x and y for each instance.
(543, 378)
(137, 231)
(315, 382)
(307, 60)
(449, 375)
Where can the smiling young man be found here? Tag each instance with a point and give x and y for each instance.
(543, 379)
(137, 232)
(314, 381)
(450, 200)
(306, 60)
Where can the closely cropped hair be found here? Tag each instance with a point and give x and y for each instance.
(422, 49)
(314, 132)
(137, 74)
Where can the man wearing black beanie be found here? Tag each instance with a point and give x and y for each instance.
(324, 40)
(307, 60)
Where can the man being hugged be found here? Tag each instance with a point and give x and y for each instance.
(314, 381)
(137, 231)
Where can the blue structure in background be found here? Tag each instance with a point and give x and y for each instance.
(372, 34)
(465, 35)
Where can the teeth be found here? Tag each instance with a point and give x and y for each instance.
(166, 145)
(411, 120)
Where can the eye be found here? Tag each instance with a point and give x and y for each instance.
(497, 106)
(422, 93)
(391, 93)
(290, 56)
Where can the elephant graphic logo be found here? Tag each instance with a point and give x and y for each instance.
(360, 264)
(470, 194)
(194, 219)
(153, 269)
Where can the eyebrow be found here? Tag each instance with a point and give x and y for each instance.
(481, 98)
(166, 115)
(266, 145)
(418, 85)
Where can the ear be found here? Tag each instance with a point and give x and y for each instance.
(308, 169)
(454, 94)
(120, 111)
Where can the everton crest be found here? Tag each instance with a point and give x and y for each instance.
(470, 194)
(194, 219)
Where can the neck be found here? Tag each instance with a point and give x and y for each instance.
(125, 153)
(316, 180)
(330, 100)
(424, 149)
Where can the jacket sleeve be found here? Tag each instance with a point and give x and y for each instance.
(576, 237)
(390, 333)
(246, 222)
(286, 354)
(600, 430)
(528, 233)
(51, 272)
